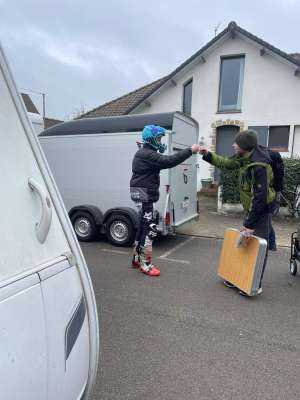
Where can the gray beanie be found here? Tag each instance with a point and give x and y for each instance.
(247, 140)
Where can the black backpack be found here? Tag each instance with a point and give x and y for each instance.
(278, 170)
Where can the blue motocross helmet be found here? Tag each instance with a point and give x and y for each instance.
(150, 135)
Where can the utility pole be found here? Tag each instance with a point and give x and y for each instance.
(44, 105)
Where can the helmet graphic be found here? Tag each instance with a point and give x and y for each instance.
(150, 135)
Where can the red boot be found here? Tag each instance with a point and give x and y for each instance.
(150, 270)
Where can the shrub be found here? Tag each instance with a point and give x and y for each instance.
(229, 183)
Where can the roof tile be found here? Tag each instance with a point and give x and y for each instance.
(121, 105)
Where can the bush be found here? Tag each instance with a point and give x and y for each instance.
(230, 189)
(229, 180)
(291, 175)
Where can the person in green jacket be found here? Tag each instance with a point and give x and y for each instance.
(255, 184)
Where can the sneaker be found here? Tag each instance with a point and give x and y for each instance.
(135, 263)
(150, 270)
(273, 247)
(259, 291)
(228, 284)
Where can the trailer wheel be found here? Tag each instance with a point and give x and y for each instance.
(120, 230)
(84, 226)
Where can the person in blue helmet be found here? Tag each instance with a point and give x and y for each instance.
(144, 189)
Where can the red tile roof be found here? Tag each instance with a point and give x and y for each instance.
(121, 105)
(48, 122)
(30, 107)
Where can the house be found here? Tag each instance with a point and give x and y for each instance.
(33, 114)
(236, 81)
(48, 122)
(38, 122)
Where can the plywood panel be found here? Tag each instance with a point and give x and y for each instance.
(237, 264)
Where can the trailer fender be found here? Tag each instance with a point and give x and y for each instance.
(129, 212)
(93, 210)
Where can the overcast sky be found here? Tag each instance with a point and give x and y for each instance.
(84, 53)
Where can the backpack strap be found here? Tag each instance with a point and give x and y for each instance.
(258, 164)
(270, 176)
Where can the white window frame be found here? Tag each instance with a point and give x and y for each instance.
(190, 80)
(238, 106)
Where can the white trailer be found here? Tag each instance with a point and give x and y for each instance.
(91, 161)
(48, 327)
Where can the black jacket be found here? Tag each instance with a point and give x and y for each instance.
(146, 166)
(260, 188)
(278, 170)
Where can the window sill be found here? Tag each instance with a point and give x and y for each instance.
(229, 112)
(279, 149)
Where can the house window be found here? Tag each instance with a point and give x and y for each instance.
(187, 97)
(279, 138)
(231, 83)
(262, 134)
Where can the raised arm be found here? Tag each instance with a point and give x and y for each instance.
(219, 161)
(163, 162)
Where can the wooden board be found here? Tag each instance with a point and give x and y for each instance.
(237, 264)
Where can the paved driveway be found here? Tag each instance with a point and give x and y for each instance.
(185, 336)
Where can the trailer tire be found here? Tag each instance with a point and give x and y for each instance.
(120, 230)
(84, 226)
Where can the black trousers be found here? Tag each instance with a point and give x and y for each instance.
(272, 235)
(146, 233)
(262, 230)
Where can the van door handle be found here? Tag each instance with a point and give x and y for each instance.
(42, 227)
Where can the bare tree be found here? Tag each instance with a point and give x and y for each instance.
(77, 112)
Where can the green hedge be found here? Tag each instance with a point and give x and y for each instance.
(229, 180)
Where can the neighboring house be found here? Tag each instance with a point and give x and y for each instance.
(235, 81)
(33, 114)
(38, 122)
(48, 122)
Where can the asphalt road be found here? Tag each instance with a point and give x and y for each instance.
(185, 336)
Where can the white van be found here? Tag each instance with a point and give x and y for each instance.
(48, 327)
(91, 161)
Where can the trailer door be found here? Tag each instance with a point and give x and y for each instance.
(183, 178)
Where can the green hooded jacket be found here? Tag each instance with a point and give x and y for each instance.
(246, 164)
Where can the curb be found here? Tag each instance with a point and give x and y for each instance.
(284, 246)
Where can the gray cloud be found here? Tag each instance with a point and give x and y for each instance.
(88, 53)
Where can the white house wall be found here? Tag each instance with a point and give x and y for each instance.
(271, 93)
